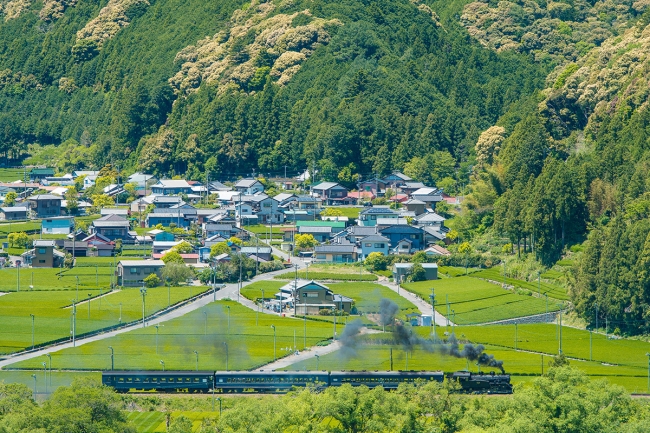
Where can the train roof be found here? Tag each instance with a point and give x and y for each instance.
(270, 372)
(156, 373)
(386, 373)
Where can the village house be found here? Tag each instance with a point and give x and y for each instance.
(45, 205)
(112, 227)
(44, 255)
(171, 187)
(249, 186)
(335, 254)
(131, 273)
(331, 193)
(12, 213)
(368, 217)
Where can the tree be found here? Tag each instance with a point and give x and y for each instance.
(100, 201)
(19, 239)
(180, 424)
(305, 241)
(72, 200)
(489, 144)
(173, 257)
(152, 280)
(376, 261)
(417, 273)
(10, 199)
(236, 241)
(465, 248)
(183, 248)
(176, 273)
(218, 249)
(333, 212)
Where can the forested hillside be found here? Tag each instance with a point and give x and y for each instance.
(540, 105)
(361, 84)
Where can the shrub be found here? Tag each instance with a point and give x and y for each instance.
(152, 281)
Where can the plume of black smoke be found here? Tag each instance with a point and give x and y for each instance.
(387, 311)
(349, 338)
(473, 353)
(404, 336)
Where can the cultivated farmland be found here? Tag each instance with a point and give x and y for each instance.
(249, 340)
(551, 290)
(53, 312)
(476, 301)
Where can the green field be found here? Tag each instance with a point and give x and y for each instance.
(53, 312)
(55, 380)
(254, 291)
(523, 365)
(575, 343)
(260, 229)
(551, 290)
(455, 271)
(367, 297)
(249, 344)
(350, 212)
(476, 301)
(333, 276)
(155, 422)
(54, 279)
(13, 174)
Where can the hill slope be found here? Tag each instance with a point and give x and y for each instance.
(378, 76)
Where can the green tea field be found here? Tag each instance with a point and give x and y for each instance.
(545, 288)
(52, 311)
(473, 301)
(222, 327)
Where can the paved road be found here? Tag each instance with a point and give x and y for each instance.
(231, 291)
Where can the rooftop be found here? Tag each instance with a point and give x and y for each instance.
(142, 263)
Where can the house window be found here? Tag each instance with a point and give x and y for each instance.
(370, 245)
(311, 295)
(321, 256)
(379, 245)
(41, 250)
(134, 270)
(41, 261)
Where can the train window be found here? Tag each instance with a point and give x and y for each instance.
(163, 380)
(196, 380)
(154, 379)
(130, 380)
(187, 379)
(137, 380)
(121, 380)
(146, 380)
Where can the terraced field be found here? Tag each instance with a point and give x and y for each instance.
(473, 301)
(551, 290)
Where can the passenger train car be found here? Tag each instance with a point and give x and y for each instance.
(283, 381)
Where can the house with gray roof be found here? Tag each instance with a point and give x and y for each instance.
(331, 193)
(368, 217)
(112, 227)
(402, 270)
(320, 233)
(249, 186)
(335, 254)
(12, 213)
(45, 205)
(430, 196)
(131, 273)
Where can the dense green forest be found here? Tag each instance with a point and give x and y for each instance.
(541, 106)
(563, 401)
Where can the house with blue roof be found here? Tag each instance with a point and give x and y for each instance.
(404, 234)
(57, 225)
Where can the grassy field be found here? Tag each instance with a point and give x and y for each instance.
(57, 379)
(82, 262)
(523, 365)
(350, 212)
(367, 297)
(575, 343)
(475, 301)
(261, 229)
(249, 344)
(54, 279)
(552, 290)
(333, 276)
(13, 174)
(155, 422)
(254, 291)
(53, 313)
(455, 271)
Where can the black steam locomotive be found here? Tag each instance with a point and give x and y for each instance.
(283, 381)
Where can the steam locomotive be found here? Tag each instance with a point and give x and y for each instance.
(283, 381)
